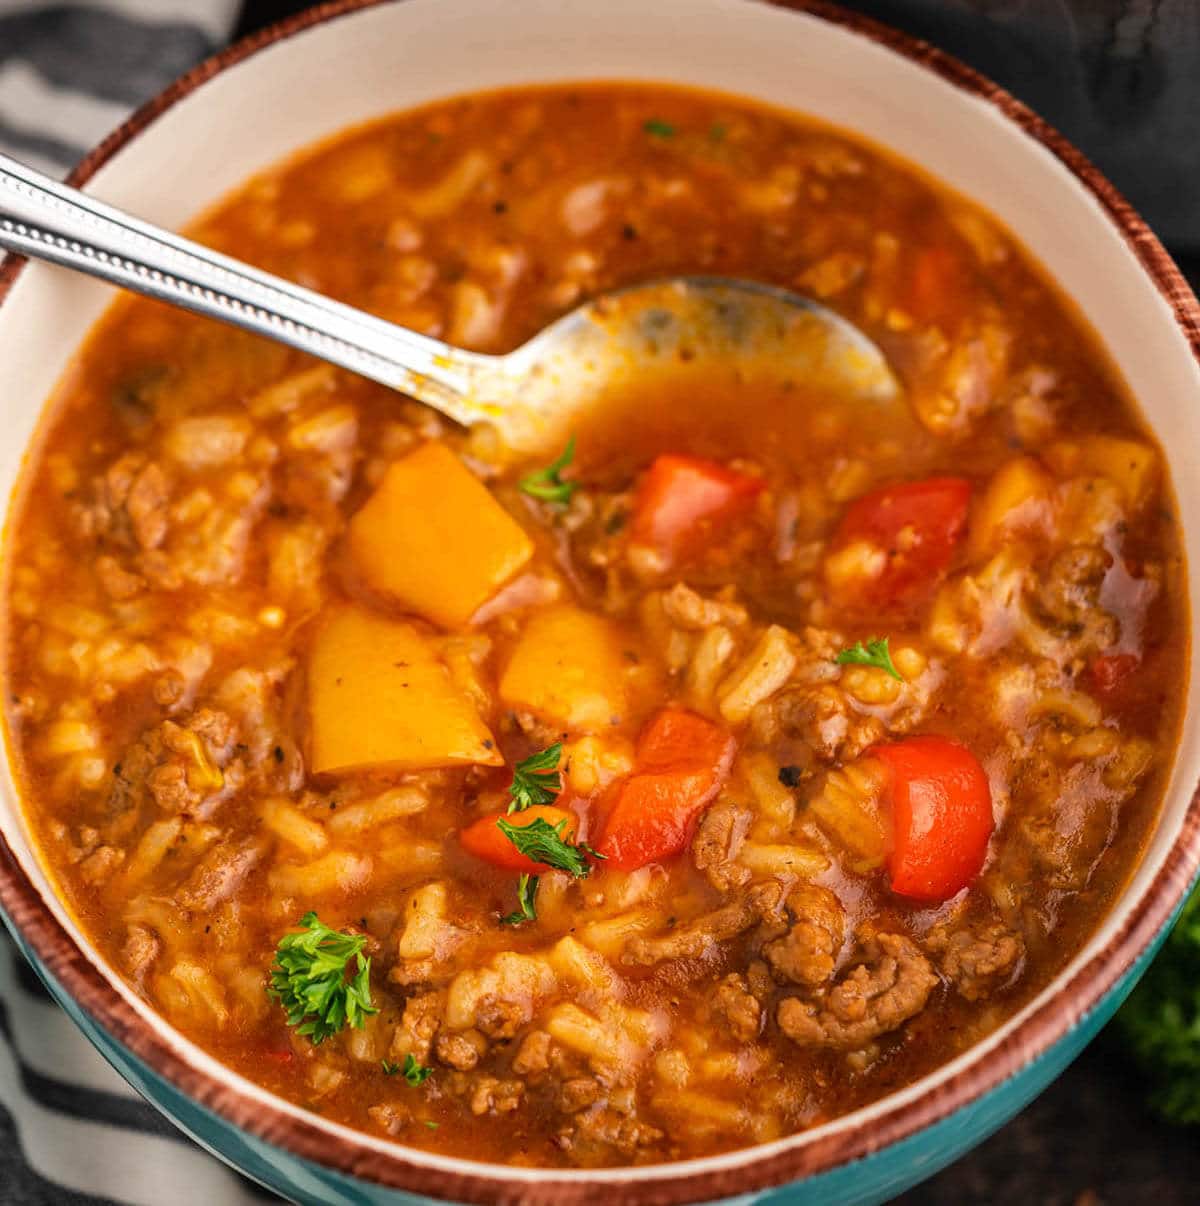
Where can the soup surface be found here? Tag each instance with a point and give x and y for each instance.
(749, 761)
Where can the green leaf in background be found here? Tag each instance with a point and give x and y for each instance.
(1161, 1021)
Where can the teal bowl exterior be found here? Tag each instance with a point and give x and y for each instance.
(873, 1179)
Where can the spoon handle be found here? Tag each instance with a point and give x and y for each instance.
(50, 221)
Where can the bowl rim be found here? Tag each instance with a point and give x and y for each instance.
(1066, 1004)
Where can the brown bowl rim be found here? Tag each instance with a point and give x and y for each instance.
(803, 1155)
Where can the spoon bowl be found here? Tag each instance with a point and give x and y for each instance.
(691, 326)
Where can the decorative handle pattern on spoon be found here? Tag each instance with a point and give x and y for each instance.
(53, 222)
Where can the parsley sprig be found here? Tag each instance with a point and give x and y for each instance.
(547, 484)
(309, 979)
(541, 842)
(414, 1072)
(526, 896)
(536, 779)
(874, 653)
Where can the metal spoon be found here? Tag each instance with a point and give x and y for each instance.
(532, 395)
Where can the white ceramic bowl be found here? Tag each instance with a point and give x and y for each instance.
(351, 62)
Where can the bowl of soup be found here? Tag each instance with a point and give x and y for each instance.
(762, 793)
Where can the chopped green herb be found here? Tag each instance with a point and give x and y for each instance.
(308, 978)
(389, 1068)
(429, 1122)
(875, 653)
(414, 1073)
(717, 132)
(547, 484)
(536, 779)
(542, 842)
(657, 128)
(526, 895)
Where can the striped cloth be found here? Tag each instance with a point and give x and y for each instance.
(72, 1132)
(71, 72)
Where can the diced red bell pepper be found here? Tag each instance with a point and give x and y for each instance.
(683, 498)
(916, 526)
(486, 840)
(935, 285)
(676, 737)
(681, 762)
(941, 816)
(1110, 671)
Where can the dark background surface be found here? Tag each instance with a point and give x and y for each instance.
(1121, 78)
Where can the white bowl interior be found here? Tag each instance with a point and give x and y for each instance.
(362, 66)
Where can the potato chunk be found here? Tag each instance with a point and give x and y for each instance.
(379, 699)
(1129, 464)
(1017, 499)
(433, 538)
(569, 668)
